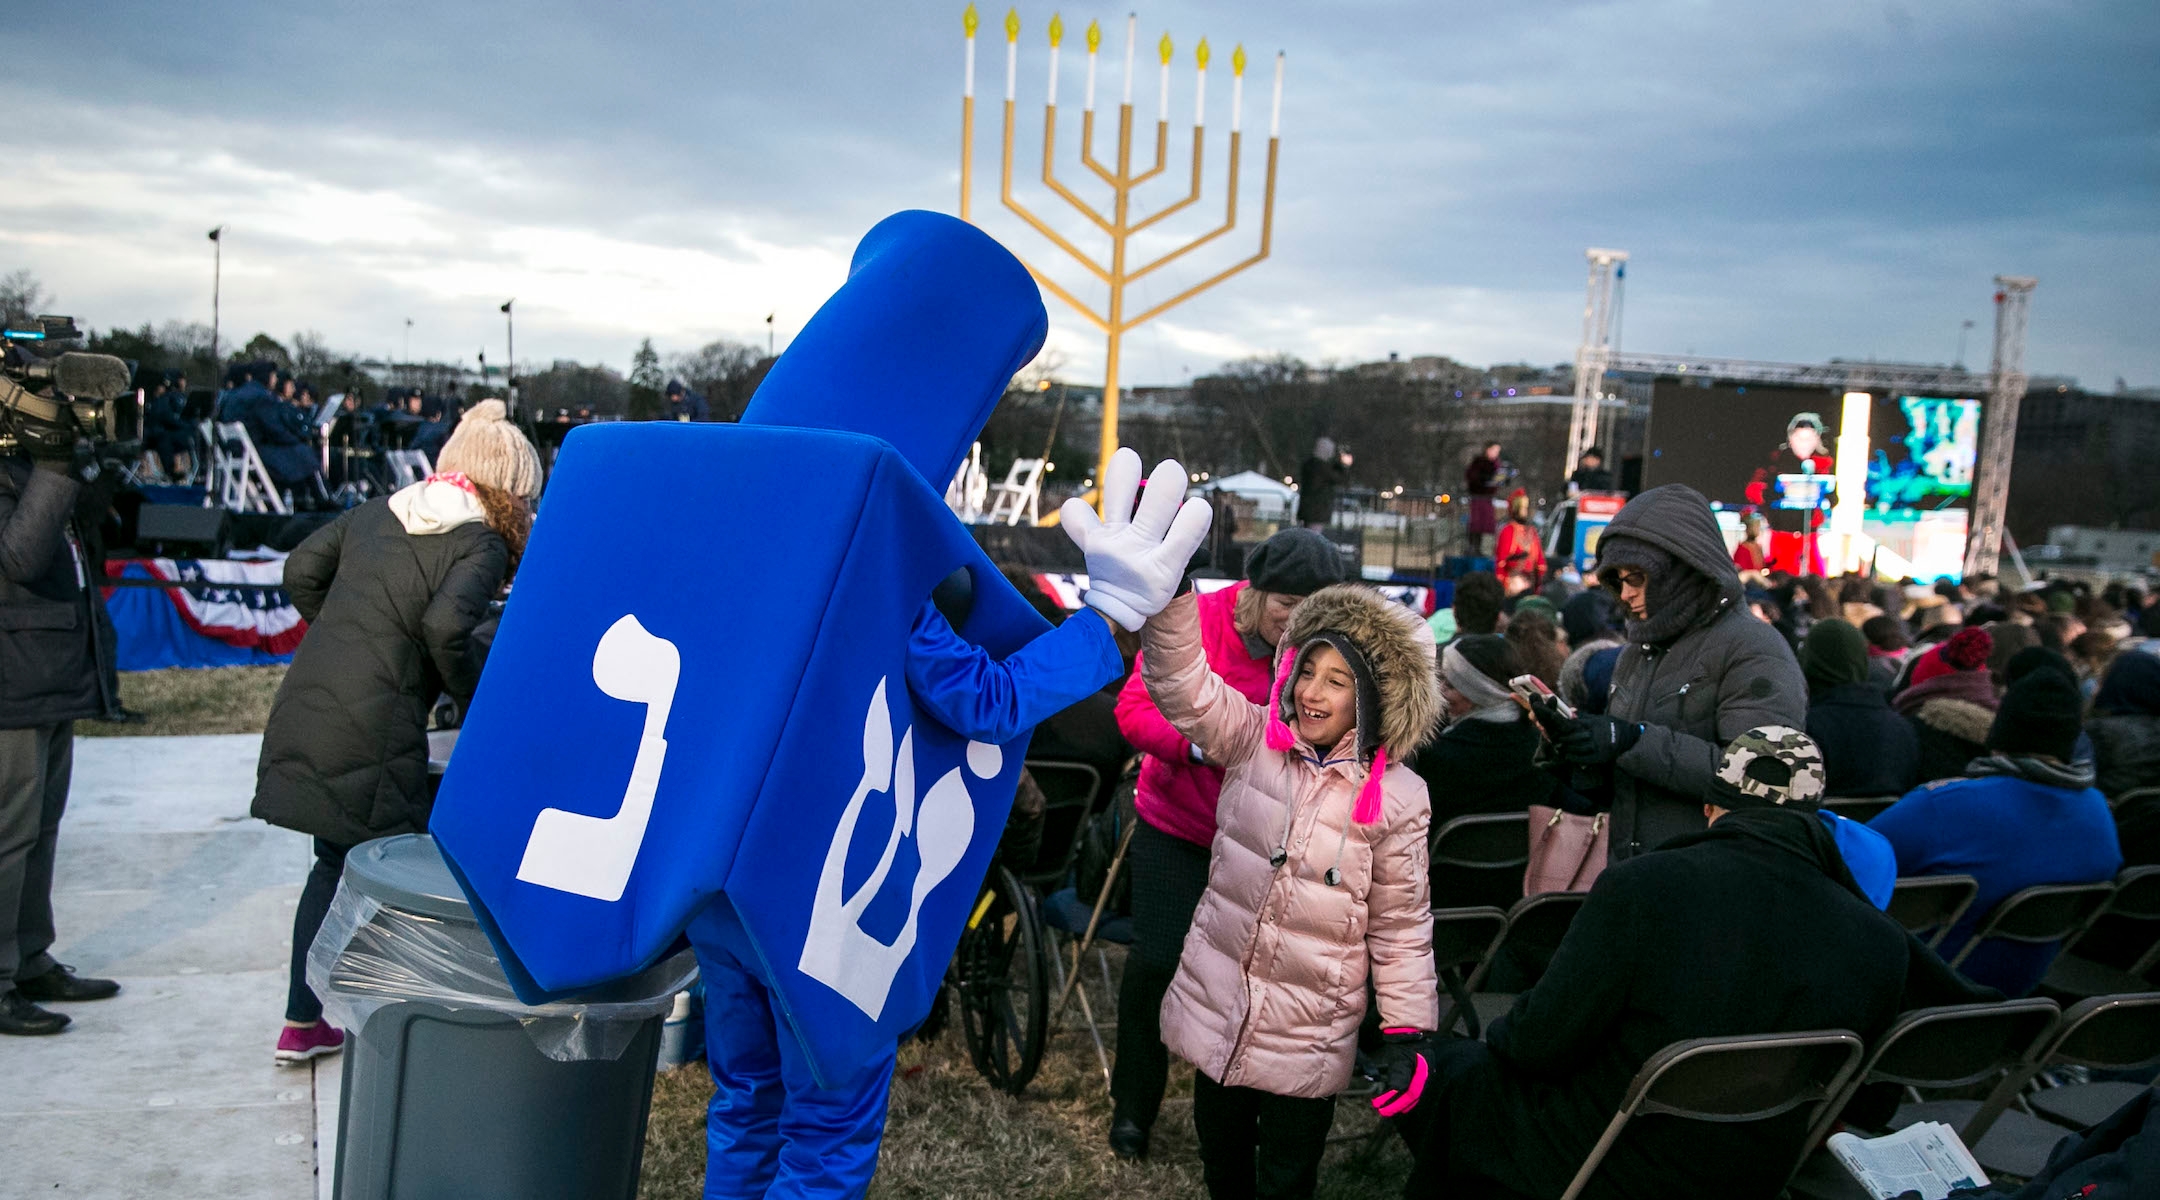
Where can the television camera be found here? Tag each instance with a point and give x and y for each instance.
(52, 398)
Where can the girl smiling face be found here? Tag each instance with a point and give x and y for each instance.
(1324, 698)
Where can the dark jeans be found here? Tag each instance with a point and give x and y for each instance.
(1168, 876)
(1259, 1144)
(301, 1003)
(35, 767)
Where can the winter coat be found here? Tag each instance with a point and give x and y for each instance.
(2126, 750)
(53, 653)
(1722, 676)
(1177, 795)
(1867, 749)
(1950, 716)
(1483, 767)
(2010, 833)
(1317, 481)
(391, 591)
(1694, 940)
(1517, 549)
(1271, 985)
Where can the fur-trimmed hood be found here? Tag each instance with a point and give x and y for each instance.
(1959, 718)
(1398, 650)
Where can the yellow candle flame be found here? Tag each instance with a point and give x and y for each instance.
(1012, 24)
(1237, 60)
(1057, 30)
(1164, 48)
(1094, 37)
(1202, 54)
(968, 20)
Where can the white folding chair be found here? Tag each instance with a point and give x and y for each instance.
(1019, 495)
(239, 481)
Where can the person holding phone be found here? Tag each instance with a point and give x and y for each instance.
(1480, 757)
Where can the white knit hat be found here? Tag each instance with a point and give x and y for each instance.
(487, 449)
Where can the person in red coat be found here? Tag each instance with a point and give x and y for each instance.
(1239, 627)
(1518, 552)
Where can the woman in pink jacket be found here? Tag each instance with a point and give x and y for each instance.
(1239, 628)
(1316, 881)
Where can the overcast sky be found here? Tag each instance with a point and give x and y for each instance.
(1794, 182)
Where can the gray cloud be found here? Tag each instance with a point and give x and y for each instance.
(1794, 182)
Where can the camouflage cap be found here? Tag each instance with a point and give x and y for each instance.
(1772, 764)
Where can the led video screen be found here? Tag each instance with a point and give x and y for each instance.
(1733, 442)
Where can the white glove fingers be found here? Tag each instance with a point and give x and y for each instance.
(1079, 522)
(1165, 488)
(1188, 529)
(1121, 479)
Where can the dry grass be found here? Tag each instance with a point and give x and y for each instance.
(950, 1135)
(187, 701)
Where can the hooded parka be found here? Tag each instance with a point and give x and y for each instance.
(1271, 985)
(1694, 689)
(392, 592)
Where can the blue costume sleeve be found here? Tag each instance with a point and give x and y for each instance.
(992, 700)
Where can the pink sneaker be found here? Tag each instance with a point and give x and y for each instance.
(296, 1045)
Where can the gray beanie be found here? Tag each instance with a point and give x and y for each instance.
(1295, 562)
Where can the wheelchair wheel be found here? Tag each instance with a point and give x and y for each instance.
(1000, 978)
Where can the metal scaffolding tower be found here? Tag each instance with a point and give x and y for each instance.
(1591, 360)
(1991, 478)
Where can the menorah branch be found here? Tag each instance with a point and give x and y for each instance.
(1192, 195)
(1049, 173)
(1162, 149)
(1229, 217)
(1087, 150)
(1267, 237)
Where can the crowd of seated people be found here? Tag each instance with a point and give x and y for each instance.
(1710, 717)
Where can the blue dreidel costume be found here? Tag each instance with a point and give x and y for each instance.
(768, 738)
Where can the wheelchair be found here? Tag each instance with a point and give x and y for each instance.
(1006, 974)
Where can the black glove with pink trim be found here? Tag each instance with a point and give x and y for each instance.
(1403, 1070)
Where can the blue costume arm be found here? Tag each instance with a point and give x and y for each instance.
(992, 700)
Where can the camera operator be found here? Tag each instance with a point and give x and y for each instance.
(52, 673)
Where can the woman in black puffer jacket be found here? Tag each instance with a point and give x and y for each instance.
(392, 591)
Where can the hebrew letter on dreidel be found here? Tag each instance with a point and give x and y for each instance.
(592, 856)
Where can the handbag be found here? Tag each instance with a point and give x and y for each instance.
(1567, 852)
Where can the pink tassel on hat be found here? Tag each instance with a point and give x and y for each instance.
(1279, 736)
(1368, 797)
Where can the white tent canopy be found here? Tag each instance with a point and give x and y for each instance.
(1274, 498)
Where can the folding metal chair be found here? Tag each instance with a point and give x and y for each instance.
(1859, 808)
(1731, 1081)
(239, 481)
(1956, 1045)
(1462, 939)
(1516, 959)
(1479, 860)
(407, 467)
(2049, 912)
(1922, 903)
(2132, 916)
(2105, 1032)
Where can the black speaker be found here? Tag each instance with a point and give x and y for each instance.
(188, 529)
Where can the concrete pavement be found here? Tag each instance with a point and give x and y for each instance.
(168, 1090)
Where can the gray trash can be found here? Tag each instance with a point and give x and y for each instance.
(452, 1088)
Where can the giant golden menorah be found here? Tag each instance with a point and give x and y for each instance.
(1119, 226)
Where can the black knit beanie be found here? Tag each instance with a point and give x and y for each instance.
(1296, 562)
(2038, 715)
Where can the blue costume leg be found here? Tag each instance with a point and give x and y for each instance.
(831, 1134)
(742, 1046)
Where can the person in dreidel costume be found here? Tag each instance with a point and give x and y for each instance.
(818, 947)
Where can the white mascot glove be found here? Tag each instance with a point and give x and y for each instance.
(1135, 559)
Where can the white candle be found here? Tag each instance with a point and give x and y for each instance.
(1052, 101)
(1274, 127)
(1091, 81)
(1163, 110)
(1237, 93)
(1199, 104)
(1132, 31)
(1012, 66)
(967, 87)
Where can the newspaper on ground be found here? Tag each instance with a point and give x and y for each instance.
(1926, 1158)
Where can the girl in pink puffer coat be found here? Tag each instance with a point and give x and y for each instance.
(1316, 880)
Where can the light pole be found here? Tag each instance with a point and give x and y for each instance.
(510, 364)
(217, 280)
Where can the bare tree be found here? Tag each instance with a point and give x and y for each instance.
(22, 297)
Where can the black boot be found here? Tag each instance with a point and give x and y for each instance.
(1127, 1140)
(21, 1018)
